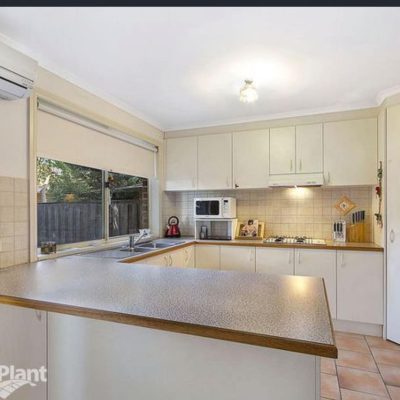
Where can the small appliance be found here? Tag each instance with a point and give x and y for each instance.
(173, 230)
(215, 207)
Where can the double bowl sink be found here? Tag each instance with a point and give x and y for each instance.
(120, 253)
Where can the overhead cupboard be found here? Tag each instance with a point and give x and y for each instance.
(344, 151)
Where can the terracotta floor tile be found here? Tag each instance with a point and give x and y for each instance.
(361, 381)
(351, 395)
(353, 359)
(349, 334)
(390, 374)
(352, 343)
(328, 366)
(375, 341)
(383, 356)
(330, 387)
(394, 392)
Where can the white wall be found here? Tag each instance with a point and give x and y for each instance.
(14, 138)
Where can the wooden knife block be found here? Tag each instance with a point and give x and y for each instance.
(356, 232)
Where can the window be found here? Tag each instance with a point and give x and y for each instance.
(72, 201)
(128, 206)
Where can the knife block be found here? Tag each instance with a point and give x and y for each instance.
(356, 232)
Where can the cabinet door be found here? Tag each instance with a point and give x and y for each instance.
(207, 256)
(23, 338)
(282, 150)
(181, 163)
(189, 257)
(360, 286)
(176, 258)
(275, 261)
(250, 159)
(320, 263)
(350, 152)
(162, 260)
(215, 161)
(393, 223)
(309, 149)
(238, 258)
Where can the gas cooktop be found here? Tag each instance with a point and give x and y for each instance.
(293, 240)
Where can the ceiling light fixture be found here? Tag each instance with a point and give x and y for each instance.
(248, 93)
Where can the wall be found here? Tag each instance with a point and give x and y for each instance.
(14, 168)
(301, 211)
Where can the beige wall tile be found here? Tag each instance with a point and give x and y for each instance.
(6, 229)
(21, 257)
(7, 243)
(21, 185)
(21, 228)
(7, 214)
(21, 214)
(21, 242)
(21, 199)
(6, 259)
(6, 184)
(6, 199)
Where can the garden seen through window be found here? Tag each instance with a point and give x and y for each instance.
(72, 201)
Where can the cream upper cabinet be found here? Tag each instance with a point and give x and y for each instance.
(250, 159)
(275, 261)
(238, 258)
(319, 263)
(360, 286)
(207, 256)
(181, 163)
(309, 149)
(350, 152)
(282, 150)
(215, 161)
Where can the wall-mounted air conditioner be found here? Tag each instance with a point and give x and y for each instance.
(17, 73)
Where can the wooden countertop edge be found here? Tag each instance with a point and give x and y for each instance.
(192, 242)
(299, 346)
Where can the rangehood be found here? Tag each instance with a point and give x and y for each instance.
(296, 180)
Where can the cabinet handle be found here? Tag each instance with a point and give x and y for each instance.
(166, 260)
(298, 257)
(392, 236)
(227, 181)
(236, 185)
(170, 260)
(328, 178)
(38, 315)
(342, 259)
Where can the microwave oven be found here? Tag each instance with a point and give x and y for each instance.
(215, 207)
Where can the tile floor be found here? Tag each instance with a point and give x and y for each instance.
(367, 368)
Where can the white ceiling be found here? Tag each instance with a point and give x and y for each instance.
(183, 67)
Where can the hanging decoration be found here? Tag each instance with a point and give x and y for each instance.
(378, 191)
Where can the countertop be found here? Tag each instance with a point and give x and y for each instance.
(283, 312)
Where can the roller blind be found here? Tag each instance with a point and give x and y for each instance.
(66, 136)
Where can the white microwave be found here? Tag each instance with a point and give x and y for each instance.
(215, 207)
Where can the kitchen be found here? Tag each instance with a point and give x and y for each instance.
(221, 237)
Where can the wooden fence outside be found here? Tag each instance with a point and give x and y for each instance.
(83, 221)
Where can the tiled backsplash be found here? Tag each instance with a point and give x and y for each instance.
(14, 221)
(293, 211)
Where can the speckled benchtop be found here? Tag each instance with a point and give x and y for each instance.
(284, 312)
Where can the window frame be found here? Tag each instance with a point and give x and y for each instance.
(106, 240)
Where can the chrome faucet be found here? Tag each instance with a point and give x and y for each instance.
(135, 240)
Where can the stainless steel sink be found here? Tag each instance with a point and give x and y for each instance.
(137, 249)
(157, 245)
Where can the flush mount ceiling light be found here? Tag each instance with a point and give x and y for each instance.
(248, 93)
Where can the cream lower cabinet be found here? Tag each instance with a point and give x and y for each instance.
(238, 258)
(189, 256)
(275, 261)
(23, 338)
(207, 256)
(319, 263)
(161, 260)
(360, 286)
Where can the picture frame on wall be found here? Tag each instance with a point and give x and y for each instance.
(252, 229)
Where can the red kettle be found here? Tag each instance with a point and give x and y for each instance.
(173, 230)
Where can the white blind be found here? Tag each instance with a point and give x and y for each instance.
(66, 136)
